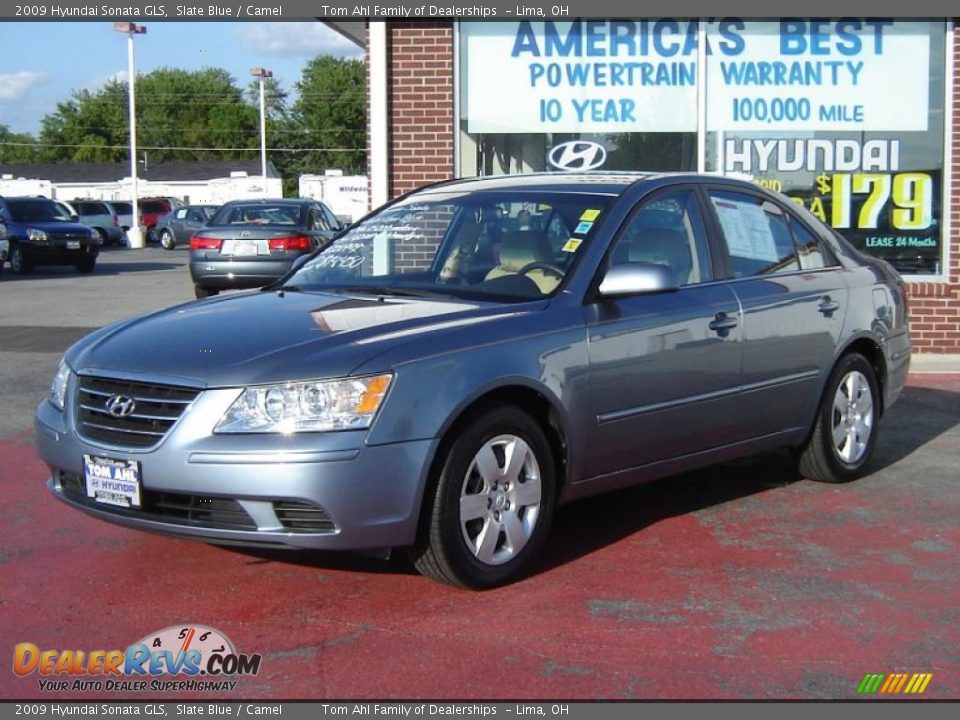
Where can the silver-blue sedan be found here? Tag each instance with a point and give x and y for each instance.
(453, 367)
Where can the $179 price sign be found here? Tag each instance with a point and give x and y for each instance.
(911, 194)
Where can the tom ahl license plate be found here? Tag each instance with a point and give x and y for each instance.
(112, 481)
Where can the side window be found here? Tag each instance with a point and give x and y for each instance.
(331, 219)
(181, 214)
(667, 230)
(755, 230)
(808, 247)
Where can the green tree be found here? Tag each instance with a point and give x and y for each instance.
(181, 115)
(328, 119)
(17, 147)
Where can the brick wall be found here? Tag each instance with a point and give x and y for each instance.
(421, 102)
(935, 307)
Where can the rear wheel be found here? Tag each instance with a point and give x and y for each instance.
(102, 236)
(202, 292)
(845, 432)
(492, 503)
(167, 240)
(19, 262)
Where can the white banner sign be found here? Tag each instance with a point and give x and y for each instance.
(581, 76)
(810, 75)
(592, 76)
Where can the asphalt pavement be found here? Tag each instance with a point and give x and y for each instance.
(739, 581)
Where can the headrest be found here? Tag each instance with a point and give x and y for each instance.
(522, 247)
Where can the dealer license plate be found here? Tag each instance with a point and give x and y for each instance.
(73, 244)
(111, 481)
(244, 248)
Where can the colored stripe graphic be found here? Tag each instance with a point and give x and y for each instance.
(894, 683)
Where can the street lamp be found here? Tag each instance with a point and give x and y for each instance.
(261, 74)
(131, 29)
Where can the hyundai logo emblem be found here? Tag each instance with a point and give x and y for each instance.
(119, 406)
(577, 155)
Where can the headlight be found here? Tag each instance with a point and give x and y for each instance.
(36, 235)
(348, 404)
(58, 388)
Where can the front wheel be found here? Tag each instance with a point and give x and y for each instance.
(87, 264)
(492, 503)
(167, 240)
(845, 432)
(19, 262)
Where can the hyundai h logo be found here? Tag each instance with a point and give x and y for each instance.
(119, 406)
(577, 155)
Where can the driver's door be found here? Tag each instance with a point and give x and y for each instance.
(664, 366)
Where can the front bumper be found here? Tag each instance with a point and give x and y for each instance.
(327, 491)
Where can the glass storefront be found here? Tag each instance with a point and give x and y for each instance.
(843, 116)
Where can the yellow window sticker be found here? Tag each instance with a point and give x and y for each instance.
(590, 215)
(571, 245)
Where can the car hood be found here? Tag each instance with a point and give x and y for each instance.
(265, 337)
(56, 228)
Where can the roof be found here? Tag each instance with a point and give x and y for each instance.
(603, 183)
(114, 172)
(354, 31)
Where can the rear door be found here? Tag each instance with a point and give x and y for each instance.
(793, 298)
(664, 367)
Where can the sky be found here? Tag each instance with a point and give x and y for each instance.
(42, 63)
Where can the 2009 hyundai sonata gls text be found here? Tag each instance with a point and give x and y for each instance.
(453, 367)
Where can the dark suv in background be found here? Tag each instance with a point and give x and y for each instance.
(43, 232)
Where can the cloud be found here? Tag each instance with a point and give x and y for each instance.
(15, 86)
(306, 39)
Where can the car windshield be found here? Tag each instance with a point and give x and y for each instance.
(37, 211)
(509, 246)
(208, 212)
(258, 214)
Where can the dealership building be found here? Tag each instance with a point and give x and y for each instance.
(856, 119)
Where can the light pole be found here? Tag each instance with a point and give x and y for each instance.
(134, 235)
(262, 74)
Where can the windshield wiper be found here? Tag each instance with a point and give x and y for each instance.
(388, 290)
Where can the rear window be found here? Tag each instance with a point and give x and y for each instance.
(123, 208)
(258, 214)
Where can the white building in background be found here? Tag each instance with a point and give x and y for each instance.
(201, 182)
(345, 195)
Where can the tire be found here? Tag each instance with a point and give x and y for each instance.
(86, 265)
(167, 240)
(19, 262)
(202, 292)
(514, 500)
(845, 431)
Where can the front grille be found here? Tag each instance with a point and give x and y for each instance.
(156, 409)
(303, 517)
(176, 508)
(70, 236)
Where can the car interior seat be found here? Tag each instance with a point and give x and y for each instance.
(519, 249)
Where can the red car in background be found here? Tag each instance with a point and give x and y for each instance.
(152, 209)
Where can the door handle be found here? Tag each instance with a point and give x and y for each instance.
(827, 305)
(722, 324)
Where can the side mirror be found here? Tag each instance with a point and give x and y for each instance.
(75, 218)
(637, 279)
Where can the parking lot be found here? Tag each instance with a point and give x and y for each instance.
(740, 581)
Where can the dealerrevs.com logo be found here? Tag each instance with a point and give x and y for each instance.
(200, 657)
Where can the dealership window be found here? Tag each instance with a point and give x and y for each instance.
(843, 116)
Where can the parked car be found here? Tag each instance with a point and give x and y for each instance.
(100, 216)
(181, 224)
(4, 246)
(124, 211)
(40, 231)
(249, 243)
(445, 373)
(152, 209)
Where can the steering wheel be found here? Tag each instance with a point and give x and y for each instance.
(548, 267)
